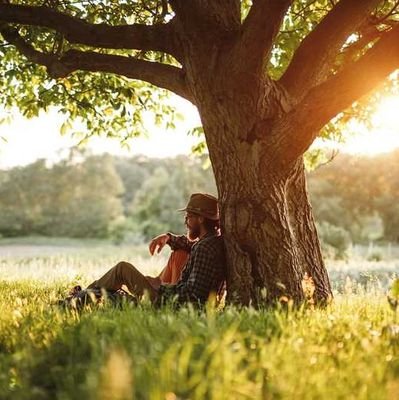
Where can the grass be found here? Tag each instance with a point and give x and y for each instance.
(70, 260)
(52, 241)
(346, 351)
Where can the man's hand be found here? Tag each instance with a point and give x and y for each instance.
(158, 243)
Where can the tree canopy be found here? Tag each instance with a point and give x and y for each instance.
(103, 63)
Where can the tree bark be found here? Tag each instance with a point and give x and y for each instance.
(267, 221)
(308, 244)
(271, 241)
(270, 236)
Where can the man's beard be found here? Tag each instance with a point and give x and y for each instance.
(193, 233)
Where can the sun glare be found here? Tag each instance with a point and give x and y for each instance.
(387, 114)
(384, 133)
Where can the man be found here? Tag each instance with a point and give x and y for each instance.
(205, 269)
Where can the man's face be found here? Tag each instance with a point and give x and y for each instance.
(193, 224)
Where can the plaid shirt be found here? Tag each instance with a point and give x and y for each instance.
(204, 272)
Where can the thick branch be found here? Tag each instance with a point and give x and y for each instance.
(225, 15)
(327, 100)
(259, 30)
(314, 58)
(162, 75)
(156, 37)
(367, 36)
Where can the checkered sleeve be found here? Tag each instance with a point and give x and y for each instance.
(203, 275)
(180, 242)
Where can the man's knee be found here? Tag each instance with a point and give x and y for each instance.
(122, 266)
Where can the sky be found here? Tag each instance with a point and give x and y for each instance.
(24, 140)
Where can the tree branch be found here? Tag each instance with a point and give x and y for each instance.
(366, 36)
(161, 75)
(336, 94)
(390, 13)
(259, 31)
(225, 14)
(313, 59)
(158, 37)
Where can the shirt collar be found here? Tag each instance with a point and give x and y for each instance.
(208, 234)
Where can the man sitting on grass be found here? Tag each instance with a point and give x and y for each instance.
(204, 271)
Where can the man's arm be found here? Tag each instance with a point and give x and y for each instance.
(180, 242)
(176, 242)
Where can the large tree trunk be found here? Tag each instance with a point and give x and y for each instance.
(270, 235)
(271, 239)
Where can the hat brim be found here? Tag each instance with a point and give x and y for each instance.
(213, 217)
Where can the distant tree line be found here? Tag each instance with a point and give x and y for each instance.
(75, 199)
(355, 200)
(100, 196)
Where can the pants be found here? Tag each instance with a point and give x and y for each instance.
(127, 274)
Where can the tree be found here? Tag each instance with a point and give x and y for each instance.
(133, 173)
(70, 199)
(363, 204)
(85, 198)
(266, 77)
(166, 190)
(24, 199)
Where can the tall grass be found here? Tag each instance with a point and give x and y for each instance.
(346, 351)
(341, 352)
(71, 261)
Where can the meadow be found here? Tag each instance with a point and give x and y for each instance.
(349, 350)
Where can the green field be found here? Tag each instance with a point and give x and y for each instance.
(347, 351)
